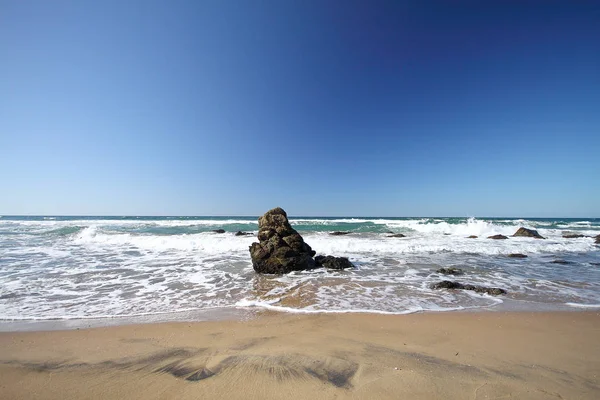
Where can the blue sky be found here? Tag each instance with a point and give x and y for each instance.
(374, 108)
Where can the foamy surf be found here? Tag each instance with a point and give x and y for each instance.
(110, 267)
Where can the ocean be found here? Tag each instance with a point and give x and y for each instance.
(71, 268)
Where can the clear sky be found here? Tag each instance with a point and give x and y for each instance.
(365, 108)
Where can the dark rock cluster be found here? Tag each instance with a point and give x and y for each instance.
(478, 289)
(450, 271)
(332, 262)
(281, 249)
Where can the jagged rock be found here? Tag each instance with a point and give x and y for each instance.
(478, 289)
(339, 233)
(497, 237)
(450, 271)
(219, 231)
(597, 239)
(280, 249)
(472, 237)
(528, 233)
(572, 235)
(397, 235)
(517, 255)
(240, 233)
(332, 262)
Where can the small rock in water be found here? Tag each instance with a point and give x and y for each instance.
(397, 235)
(450, 271)
(472, 237)
(332, 262)
(240, 233)
(524, 232)
(339, 233)
(517, 255)
(564, 262)
(597, 239)
(219, 231)
(571, 235)
(497, 237)
(478, 289)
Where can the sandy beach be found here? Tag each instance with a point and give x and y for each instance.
(274, 355)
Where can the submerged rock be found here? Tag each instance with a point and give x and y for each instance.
(332, 262)
(472, 237)
(497, 237)
(563, 262)
(478, 289)
(280, 249)
(219, 231)
(339, 233)
(450, 271)
(397, 235)
(571, 235)
(240, 233)
(517, 255)
(524, 232)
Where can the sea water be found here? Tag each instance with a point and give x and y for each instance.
(104, 267)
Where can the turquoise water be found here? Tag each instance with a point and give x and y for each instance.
(57, 267)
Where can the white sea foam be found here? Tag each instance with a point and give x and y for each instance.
(578, 305)
(269, 305)
(208, 243)
(354, 245)
(115, 268)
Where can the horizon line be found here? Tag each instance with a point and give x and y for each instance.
(289, 216)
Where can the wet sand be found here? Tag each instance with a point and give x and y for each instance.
(272, 356)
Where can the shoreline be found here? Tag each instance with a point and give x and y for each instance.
(241, 313)
(537, 355)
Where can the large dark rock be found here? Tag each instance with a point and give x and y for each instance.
(478, 289)
(497, 237)
(280, 249)
(597, 239)
(524, 232)
(332, 262)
